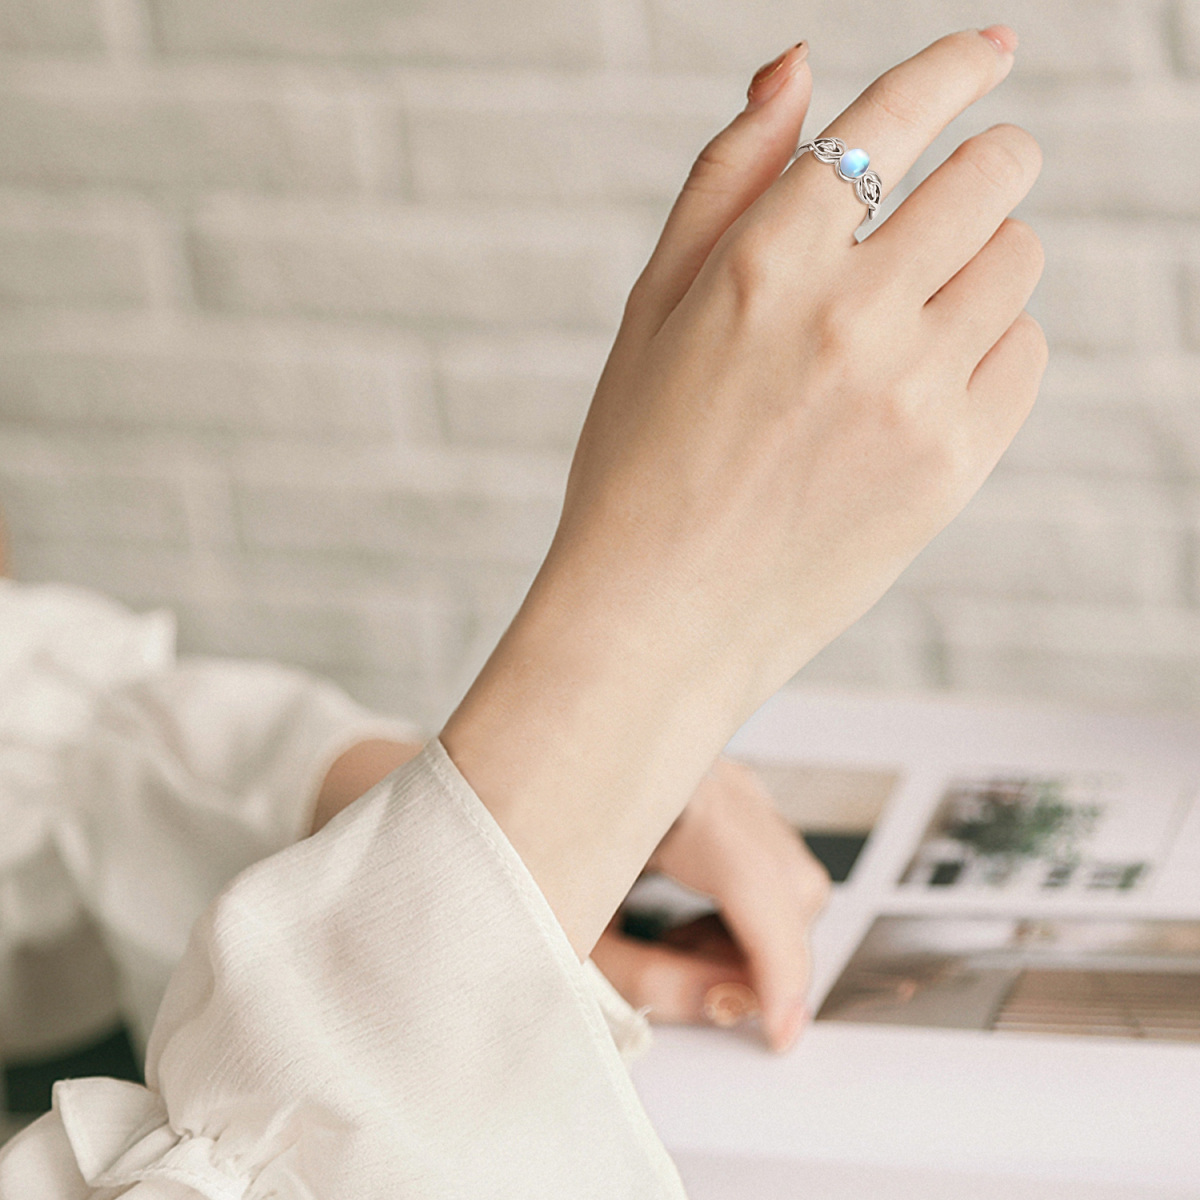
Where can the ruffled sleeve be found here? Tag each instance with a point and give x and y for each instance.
(388, 1009)
(181, 781)
(62, 650)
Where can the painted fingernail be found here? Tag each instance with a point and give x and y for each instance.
(729, 1004)
(795, 1025)
(1003, 38)
(768, 78)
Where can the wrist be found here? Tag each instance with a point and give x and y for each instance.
(586, 733)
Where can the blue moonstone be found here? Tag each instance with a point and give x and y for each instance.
(853, 164)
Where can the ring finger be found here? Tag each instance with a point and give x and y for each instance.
(895, 119)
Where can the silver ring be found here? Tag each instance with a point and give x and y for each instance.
(850, 165)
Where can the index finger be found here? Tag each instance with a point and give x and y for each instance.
(894, 121)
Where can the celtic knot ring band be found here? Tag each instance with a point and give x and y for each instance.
(850, 165)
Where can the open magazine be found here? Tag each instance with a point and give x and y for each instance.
(1006, 985)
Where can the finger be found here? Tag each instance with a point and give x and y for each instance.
(733, 170)
(670, 983)
(894, 120)
(707, 935)
(979, 304)
(770, 908)
(1005, 384)
(965, 200)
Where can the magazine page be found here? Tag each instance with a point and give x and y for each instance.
(1009, 978)
(733, 1177)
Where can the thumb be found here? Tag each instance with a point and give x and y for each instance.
(733, 170)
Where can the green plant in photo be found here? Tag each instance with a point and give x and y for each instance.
(1011, 827)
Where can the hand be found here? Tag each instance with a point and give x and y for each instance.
(732, 845)
(786, 418)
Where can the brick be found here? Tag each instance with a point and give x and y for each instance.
(210, 378)
(321, 633)
(1114, 438)
(1190, 296)
(1130, 415)
(62, 252)
(77, 508)
(1059, 40)
(142, 574)
(1183, 36)
(494, 267)
(523, 391)
(1108, 656)
(486, 595)
(412, 698)
(1094, 143)
(1116, 415)
(895, 645)
(590, 138)
(563, 158)
(1027, 537)
(555, 33)
(1088, 678)
(1102, 288)
(393, 523)
(161, 135)
(62, 26)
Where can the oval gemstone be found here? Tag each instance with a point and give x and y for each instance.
(853, 164)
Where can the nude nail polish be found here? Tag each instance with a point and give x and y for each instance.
(768, 77)
(797, 1022)
(729, 1004)
(1003, 38)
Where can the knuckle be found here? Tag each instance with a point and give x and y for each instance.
(713, 168)
(904, 406)
(842, 326)
(806, 873)
(896, 101)
(1028, 328)
(639, 295)
(1003, 161)
(752, 269)
(1026, 244)
(938, 451)
(736, 769)
(821, 889)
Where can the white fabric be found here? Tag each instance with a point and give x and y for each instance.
(387, 1010)
(183, 780)
(133, 787)
(61, 651)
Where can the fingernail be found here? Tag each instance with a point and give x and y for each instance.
(1003, 38)
(793, 1027)
(767, 79)
(729, 1004)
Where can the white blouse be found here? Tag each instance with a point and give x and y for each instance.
(134, 785)
(388, 1009)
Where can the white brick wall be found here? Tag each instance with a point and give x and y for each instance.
(304, 301)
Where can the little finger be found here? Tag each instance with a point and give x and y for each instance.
(975, 308)
(1004, 385)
